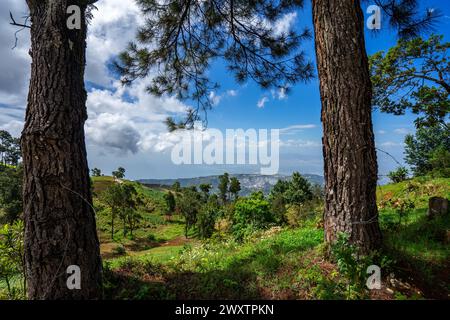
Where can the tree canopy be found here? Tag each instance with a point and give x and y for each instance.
(414, 76)
(181, 38)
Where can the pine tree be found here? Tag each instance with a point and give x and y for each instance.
(60, 228)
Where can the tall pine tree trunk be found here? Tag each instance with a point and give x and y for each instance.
(348, 142)
(60, 225)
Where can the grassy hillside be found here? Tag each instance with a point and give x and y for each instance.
(283, 263)
(158, 262)
(157, 234)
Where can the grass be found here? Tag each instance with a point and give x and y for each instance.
(279, 263)
(289, 263)
(274, 264)
(419, 246)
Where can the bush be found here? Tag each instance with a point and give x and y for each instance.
(250, 214)
(12, 264)
(120, 250)
(296, 215)
(206, 220)
(440, 162)
(399, 175)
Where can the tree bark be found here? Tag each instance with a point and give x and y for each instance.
(60, 228)
(348, 142)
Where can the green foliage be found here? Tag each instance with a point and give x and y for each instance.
(10, 152)
(440, 162)
(123, 201)
(427, 150)
(235, 187)
(250, 214)
(299, 190)
(119, 173)
(206, 219)
(182, 39)
(12, 261)
(297, 214)
(189, 204)
(170, 202)
(414, 75)
(278, 208)
(176, 187)
(293, 201)
(350, 265)
(205, 188)
(224, 180)
(96, 172)
(399, 175)
(10, 193)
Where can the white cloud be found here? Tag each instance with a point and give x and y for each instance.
(214, 98)
(284, 24)
(262, 102)
(296, 128)
(14, 127)
(381, 132)
(232, 93)
(113, 26)
(300, 143)
(402, 131)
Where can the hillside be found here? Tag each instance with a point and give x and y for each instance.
(283, 262)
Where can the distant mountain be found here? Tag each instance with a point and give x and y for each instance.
(249, 182)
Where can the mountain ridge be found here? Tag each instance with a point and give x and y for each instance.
(249, 182)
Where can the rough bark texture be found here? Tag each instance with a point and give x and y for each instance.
(59, 221)
(348, 142)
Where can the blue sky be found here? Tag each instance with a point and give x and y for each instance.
(125, 126)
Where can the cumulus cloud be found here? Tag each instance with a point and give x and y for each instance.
(114, 132)
(113, 26)
(15, 63)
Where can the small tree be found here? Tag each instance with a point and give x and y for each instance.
(419, 148)
(119, 173)
(251, 213)
(223, 187)
(440, 162)
(399, 175)
(278, 207)
(112, 196)
(235, 187)
(189, 204)
(176, 187)
(205, 188)
(96, 172)
(299, 190)
(10, 193)
(206, 219)
(169, 198)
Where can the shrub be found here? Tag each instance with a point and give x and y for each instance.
(250, 214)
(12, 263)
(440, 162)
(120, 250)
(299, 213)
(206, 220)
(399, 175)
